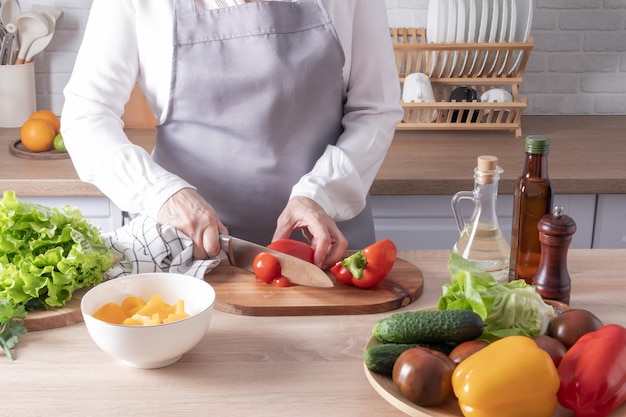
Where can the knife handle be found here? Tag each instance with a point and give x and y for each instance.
(226, 246)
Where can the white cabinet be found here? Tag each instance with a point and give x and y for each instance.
(610, 222)
(427, 221)
(100, 211)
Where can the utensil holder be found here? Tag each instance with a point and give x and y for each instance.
(18, 96)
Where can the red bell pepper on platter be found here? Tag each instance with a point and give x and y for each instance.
(593, 373)
(367, 267)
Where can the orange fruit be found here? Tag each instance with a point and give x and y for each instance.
(37, 135)
(48, 116)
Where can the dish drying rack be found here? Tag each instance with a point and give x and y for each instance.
(413, 54)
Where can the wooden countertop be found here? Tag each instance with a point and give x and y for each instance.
(255, 366)
(587, 156)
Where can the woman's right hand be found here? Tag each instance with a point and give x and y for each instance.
(188, 212)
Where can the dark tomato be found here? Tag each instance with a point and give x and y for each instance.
(266, 267)
(570, 325)
(424, 376)
(282, 282)
(294, 248)
(466, 349)
(553, 347)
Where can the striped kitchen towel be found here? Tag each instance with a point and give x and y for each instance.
(144, 246)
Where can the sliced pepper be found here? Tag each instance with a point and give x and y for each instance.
(367, 267)
(511, 377)
(593, 373)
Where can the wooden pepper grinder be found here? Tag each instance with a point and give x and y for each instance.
(552, 281)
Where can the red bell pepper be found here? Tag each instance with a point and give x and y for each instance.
(593, 373)
(367, 267)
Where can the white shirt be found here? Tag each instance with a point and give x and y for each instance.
(129, 41)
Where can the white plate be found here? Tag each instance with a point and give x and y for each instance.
(487, 20)
(432, 22)
(464, 18)
(434, 30)
(522, 28)
(450, 36)
(498, 6)
(460, 35)
(472, 36)
(494, 23)
(482, 10)
(503, 36)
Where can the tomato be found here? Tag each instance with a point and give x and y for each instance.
(266, 267)
(282, 282)
(466, 349)
(424, 376)
(294, 248)
(570, 325)
(553, 347)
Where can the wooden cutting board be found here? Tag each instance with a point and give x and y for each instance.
(238, 292)
(60, 317)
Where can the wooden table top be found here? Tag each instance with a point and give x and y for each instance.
(253, 366)
(587, 156)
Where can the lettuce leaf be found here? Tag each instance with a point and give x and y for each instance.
(46, 253)
(514, 308)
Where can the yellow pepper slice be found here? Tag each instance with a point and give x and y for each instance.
(511, 377)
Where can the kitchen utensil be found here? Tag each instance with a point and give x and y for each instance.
(241, 254)
(10, 10)
(51, 15)
(5, 50)
(30, 26)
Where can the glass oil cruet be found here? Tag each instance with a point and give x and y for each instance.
(481, 240)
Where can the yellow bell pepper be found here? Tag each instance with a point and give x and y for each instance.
(511, 377)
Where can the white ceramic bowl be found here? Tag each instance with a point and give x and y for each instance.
(156, 346)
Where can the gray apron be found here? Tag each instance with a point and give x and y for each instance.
(256, 96)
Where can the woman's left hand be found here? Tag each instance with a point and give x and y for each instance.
(305, 214)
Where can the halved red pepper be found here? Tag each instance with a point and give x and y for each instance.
(367, 267)
(593, 373)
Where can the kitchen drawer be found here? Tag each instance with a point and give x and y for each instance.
(610, 230)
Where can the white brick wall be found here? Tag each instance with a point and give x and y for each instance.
(578, 65)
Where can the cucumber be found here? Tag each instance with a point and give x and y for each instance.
(380, 358)
(429, 326)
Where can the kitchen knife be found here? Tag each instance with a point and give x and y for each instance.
(241, 254)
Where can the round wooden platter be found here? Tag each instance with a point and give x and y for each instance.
(238, 292)
(385, 387)
(16, 148)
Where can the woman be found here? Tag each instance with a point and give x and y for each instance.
(273, 116)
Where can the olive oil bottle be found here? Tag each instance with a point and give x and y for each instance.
(532, 200)
(481, 240)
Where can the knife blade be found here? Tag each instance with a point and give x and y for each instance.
(241, 254)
